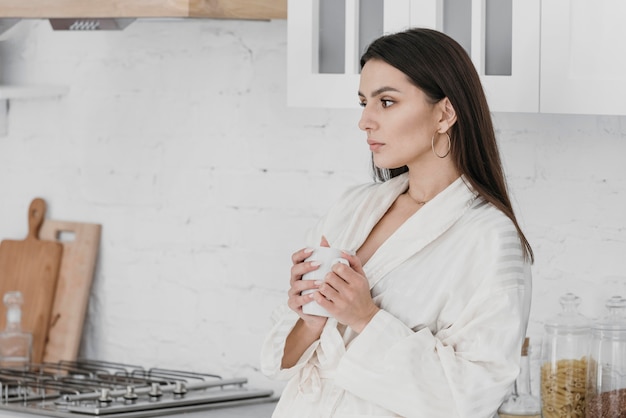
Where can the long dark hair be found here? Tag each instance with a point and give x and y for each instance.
(441, 68)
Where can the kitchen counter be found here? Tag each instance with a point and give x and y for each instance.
(260, 410)
(256, 410)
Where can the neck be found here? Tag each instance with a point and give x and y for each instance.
(425, 184)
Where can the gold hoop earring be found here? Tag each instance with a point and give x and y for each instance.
(432, 144)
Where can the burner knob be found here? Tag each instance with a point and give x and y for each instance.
(179, 389)
(105, 397)
(130, 396)
(155, 391)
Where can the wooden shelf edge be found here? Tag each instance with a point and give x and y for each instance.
(217, 9)
(9, 92)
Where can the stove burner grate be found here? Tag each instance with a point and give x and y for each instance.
(100, 388)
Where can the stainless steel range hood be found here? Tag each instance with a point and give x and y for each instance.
(90, 24)
(117, 14)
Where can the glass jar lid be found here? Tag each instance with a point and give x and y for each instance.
(569, 320)
(616, 319)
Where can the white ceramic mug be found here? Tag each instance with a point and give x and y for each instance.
(328, 257)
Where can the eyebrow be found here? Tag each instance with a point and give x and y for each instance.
(380, 91)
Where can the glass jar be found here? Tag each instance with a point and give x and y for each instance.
(564, 361)
(522, 403)
(15, 344)
(606, 385)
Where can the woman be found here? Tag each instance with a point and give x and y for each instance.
(429, 317)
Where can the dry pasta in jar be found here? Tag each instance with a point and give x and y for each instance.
(563, 388)
(564, 361)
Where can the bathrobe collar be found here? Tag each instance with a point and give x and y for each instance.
(423, 227)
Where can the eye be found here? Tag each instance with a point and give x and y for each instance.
(362, 103)
(386, 102)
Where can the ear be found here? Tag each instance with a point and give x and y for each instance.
(448, 115)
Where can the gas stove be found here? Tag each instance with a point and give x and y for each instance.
(97, 388)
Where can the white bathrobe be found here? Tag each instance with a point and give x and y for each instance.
(454, 291)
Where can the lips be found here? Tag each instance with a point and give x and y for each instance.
(374, 145)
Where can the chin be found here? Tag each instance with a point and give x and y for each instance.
(386, 165)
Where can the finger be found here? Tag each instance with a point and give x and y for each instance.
(301, 255)
(331, 288)
(298, 270)
(302, 290)
(354, 260)
(324, 242)
(343, 278)
(296, 303)
(300, 286)
(304, 299)
(333, 285)
(341, 271)
(326, 293)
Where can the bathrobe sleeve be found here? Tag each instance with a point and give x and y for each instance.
(284, 319)
(464, 369)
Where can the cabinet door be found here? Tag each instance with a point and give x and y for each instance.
(583, 64)
(514, 85)
(308, 84)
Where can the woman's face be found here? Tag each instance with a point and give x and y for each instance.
(397, 116)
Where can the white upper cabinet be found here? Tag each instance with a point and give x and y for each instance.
(327, 37)
(583, 64)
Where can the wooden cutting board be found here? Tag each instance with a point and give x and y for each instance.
(31, 266)
(80, 249)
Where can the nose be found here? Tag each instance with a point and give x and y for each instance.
(366, 123)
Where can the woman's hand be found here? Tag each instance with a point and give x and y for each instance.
(309, 327)
(345, 293)
(296, 299)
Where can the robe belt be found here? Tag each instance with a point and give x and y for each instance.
(310, 384)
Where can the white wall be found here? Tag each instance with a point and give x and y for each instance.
(175, 137)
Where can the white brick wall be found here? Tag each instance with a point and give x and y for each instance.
(175, 137)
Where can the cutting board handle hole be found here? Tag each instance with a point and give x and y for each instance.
(66, 236)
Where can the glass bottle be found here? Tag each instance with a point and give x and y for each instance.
(606, 385)
(522, 403)
(15, 344)
(564, 361)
